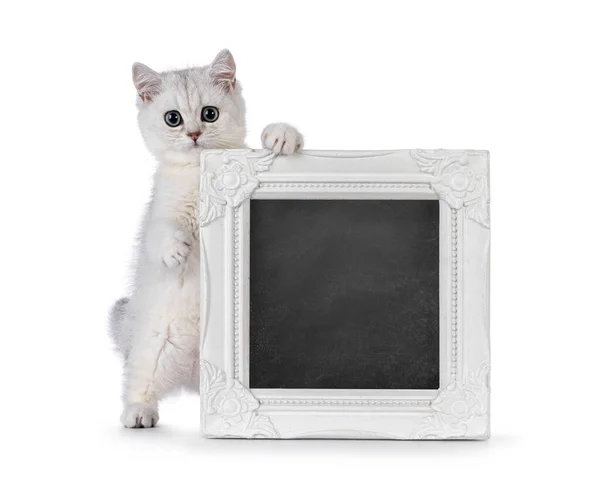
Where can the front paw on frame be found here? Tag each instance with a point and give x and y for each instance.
(282, 138)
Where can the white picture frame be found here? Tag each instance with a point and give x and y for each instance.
(459, 409)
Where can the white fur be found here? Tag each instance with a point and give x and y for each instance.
(156, 328)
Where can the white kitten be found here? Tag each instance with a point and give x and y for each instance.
(156, 328)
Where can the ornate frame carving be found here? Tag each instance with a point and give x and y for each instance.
(460, 408)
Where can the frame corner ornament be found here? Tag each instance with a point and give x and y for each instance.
(459, 179)
(460, 410)
(233, 182)
(228, 408)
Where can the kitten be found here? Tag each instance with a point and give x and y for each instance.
(180, 113)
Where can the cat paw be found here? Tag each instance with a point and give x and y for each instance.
(139, 415)
(177, 250)
(282, 138)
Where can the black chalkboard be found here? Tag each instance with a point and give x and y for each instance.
(344, 294)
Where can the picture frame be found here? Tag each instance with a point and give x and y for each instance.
(459, 408)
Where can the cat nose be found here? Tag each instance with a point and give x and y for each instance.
(194, 135)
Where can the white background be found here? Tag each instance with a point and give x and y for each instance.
(520, 79)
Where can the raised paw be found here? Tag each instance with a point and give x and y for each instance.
(139, 415)
(282, 138)
(177, 249)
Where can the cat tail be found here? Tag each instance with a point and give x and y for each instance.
(117, 319)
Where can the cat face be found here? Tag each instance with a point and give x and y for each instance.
(182, 112)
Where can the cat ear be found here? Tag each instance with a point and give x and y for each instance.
(222, 70)
(147, 82)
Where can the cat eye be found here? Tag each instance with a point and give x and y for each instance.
(173, 118)
(210, 114)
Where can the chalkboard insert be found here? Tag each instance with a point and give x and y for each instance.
(344, 294)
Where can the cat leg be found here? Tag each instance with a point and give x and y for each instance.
(119, 326)
(192, 383)
(158, 364)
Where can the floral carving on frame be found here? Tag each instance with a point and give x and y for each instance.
(458, 408)
(231, 184)
(228, 408)
(457, 181)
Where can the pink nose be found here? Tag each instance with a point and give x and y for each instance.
(194, 135)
